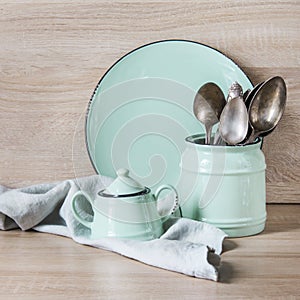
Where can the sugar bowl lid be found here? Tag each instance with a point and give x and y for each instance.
(124, 185)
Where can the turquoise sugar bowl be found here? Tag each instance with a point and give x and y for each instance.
(124, 209)
(224, 186)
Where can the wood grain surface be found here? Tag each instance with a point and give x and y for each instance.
(43, 266)
(53, 53)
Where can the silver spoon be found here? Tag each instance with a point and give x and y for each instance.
(267, 107)
(235, 90)
(246, 94)
(234, 121)
(247, 99)
(252, 93)
(208, 105)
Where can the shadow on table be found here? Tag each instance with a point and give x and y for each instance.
(228, 245)
(226, 272)
(226, 269)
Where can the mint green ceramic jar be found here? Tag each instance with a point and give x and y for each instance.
(224, 186)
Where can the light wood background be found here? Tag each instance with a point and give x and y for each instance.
(53, 53)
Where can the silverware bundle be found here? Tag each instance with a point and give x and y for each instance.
(243, 116)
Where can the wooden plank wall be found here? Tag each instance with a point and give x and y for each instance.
(52, 54)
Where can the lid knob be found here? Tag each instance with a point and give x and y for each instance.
(123, 172)
(124, 184)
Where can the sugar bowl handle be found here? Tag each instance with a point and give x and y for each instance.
(74, 208)
(171, 188)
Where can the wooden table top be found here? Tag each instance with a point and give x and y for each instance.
(41, 266)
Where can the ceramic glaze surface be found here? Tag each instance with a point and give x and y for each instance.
(123, 215)
(141, 110)
(225, 186)
(134, 217)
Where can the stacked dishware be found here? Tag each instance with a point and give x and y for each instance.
(144, 116)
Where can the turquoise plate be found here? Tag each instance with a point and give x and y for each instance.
(142, 109)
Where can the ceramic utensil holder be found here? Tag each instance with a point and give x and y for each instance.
(224, 186)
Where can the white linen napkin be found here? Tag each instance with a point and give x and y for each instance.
(189, 247)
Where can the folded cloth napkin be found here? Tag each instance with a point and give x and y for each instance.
(187, 246)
